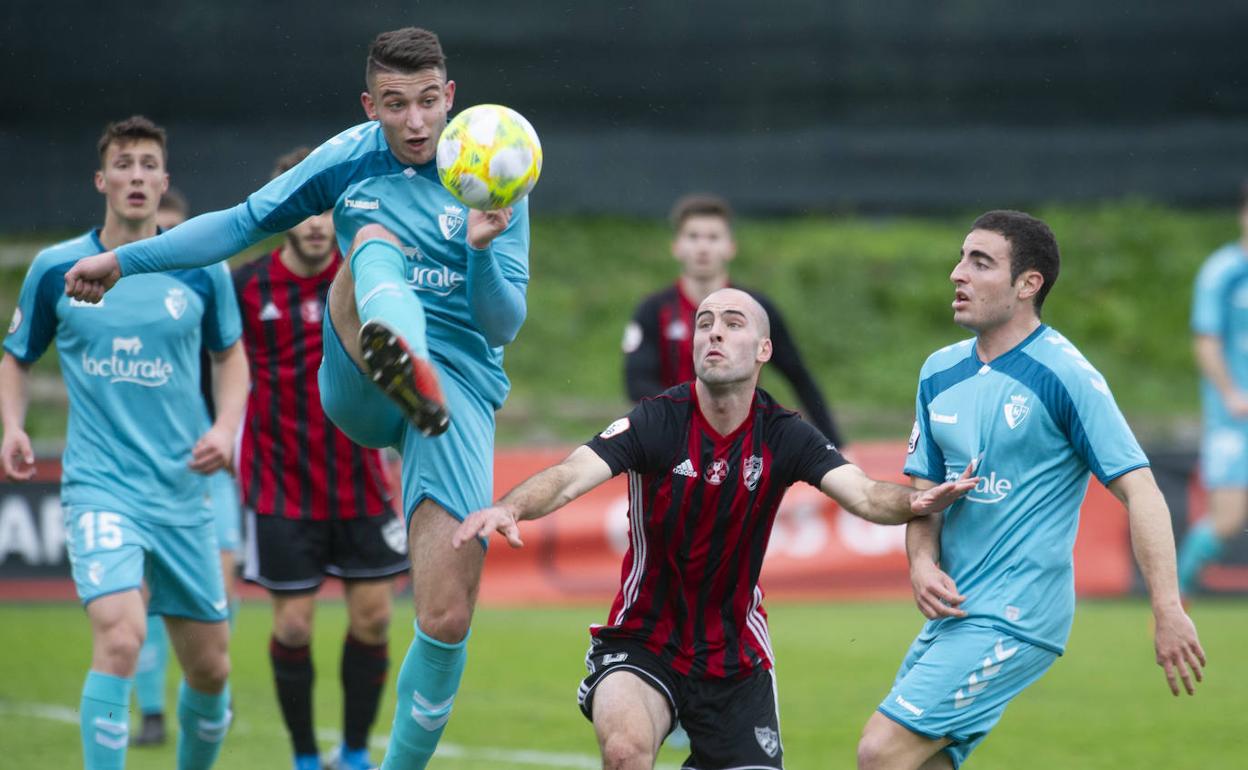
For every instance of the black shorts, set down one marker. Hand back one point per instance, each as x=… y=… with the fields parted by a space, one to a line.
x=732 y=723
x=294 y=555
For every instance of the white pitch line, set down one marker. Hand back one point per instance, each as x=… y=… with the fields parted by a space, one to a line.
x=69 y=716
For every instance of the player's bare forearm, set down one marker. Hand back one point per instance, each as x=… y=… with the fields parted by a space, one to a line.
x=231 y=383
x=1152 y=539
x=1211 y=360
x=14 y=393
x=883 y=502
x=557 y=486
x=923 y=533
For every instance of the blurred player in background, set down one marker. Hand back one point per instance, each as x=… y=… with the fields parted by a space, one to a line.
x=428 y=297
x=317 y=504
x=708 y=464
x=995 y=573
x=658 y=342
x=137 y=451
x=149 y=675
x=1220 y=328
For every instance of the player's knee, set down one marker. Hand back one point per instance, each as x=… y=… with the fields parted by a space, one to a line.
x=370 y=232
x=292 y=631
x=447 y=624
x=621 y=751
x=872 y=750
x=372 y=625
x=209 y=672
x=119 y=645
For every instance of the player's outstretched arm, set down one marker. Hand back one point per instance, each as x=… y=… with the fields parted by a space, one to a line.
x=883 y=502
x=497 y=304
x=18 y=456
x=535 y=497
x=1178 y=649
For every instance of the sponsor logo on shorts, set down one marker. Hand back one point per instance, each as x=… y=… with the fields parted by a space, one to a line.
x=95 y=572
x=768 y=740
x=395 y=535
x=908 y=706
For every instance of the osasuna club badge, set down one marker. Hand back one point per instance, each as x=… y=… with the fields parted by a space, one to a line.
x=768 y=740
x=451 y=221
x=1016 y=411
x=175 y=303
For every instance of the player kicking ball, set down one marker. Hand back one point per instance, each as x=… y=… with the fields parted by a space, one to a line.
x=708 y=464
x=427 y=297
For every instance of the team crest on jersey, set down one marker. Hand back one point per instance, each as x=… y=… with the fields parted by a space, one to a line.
x=615 y=428
x=1016 y=411
x=451 y=221
x=752 y=471
x=16 y=323
x=311 y=310
x=175 y=303
x=716 y=472
x=768 y=740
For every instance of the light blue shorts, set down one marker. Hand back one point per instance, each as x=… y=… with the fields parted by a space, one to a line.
x=957 y=684
x=455 y=469
x=226 y=511
x=111 y=552
x=1224 y=454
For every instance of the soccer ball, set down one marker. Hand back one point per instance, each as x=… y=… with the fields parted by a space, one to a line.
x=489 y=157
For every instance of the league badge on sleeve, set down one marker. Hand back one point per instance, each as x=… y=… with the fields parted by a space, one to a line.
x=914 y=439
x=16 y=323
x=615 y=428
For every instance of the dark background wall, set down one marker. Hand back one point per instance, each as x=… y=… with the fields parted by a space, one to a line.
x=805 y=106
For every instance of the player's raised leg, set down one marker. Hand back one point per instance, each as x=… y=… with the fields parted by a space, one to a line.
x=118 y=625
x=382 y=327
x=444 y=589
x=631 y=719
x=204 y=698
x=886 y=745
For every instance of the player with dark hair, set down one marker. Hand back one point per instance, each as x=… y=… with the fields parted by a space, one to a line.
x=995 y=573
x=139 y=446
x=149 y=675
x=708 y=464
x=658 y=340
x=417 y=319
x=1220 y=331
x=316 y=503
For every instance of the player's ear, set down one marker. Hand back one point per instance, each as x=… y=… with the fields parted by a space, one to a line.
x=1029 y=284
x=764 y=350
x=99 y=181
x=449 y=91
x=370 y=108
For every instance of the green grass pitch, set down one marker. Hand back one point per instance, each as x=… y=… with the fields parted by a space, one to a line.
x=1103 y=706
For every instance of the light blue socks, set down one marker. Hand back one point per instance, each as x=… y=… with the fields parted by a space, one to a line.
x=428 y=681
x=203 y=720
x=382 y=293
x=104 y=717
x=1200 y=547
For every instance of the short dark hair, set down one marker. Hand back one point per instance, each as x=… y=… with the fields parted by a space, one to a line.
x=406 y=50
x=700 y=205
x=132 y=129
x=174 y=200
x=286 y=161
x=1032 y=246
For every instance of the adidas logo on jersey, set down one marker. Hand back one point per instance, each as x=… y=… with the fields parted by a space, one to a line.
x=686 y=469
x=270 y=312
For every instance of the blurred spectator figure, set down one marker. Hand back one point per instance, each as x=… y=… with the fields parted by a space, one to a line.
x=658 y=342
x=1220 y=337
x=173 y=209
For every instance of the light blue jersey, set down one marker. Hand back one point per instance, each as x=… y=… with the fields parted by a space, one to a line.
x=1220 y=309
x=357 y=176
x=1040 y=417
x=131 y=365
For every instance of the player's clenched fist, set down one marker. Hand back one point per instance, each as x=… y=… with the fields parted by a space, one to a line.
x=91 y=276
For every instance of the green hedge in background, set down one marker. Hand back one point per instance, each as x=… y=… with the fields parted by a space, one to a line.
x=867 y=299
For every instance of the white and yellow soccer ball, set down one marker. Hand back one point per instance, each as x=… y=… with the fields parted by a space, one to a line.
x=489 y=157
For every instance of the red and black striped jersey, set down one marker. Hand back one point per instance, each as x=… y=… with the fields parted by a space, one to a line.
x=658 y=353
x=701 y=510
x=293 y=461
